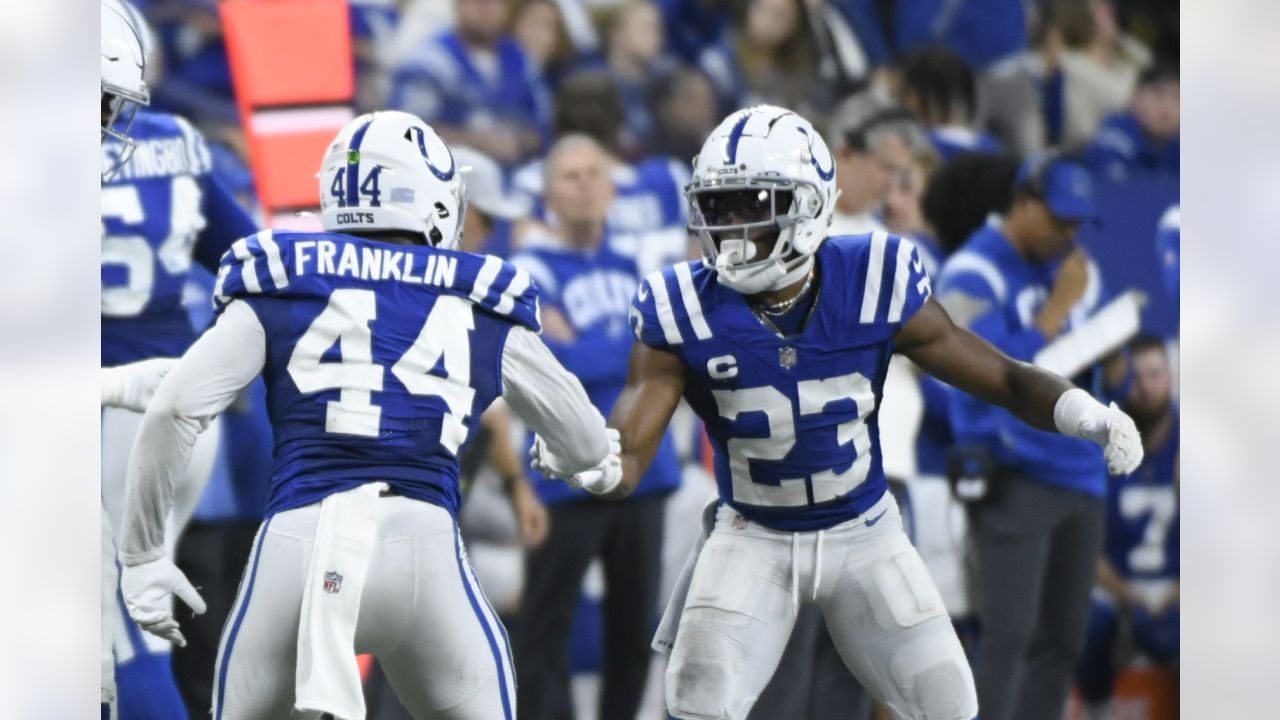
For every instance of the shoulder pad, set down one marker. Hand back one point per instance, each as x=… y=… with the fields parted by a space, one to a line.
x=252 y=266
x=670 y=305
x=889 y=283
x=499 y=288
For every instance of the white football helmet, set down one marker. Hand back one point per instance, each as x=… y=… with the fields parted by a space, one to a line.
x=762 y=168
x=123 y=87
x=388 y=170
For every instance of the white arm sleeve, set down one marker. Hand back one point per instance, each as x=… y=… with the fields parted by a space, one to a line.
x=552 y=402
x=205 y=381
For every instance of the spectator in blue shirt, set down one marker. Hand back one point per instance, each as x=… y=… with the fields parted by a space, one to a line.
x=939 y=87
x=1143 y=140
x=1169 y=250
x=585 y=291
x=476 y=86
x=1020 y=283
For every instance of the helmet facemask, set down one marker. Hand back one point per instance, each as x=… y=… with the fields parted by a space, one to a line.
x=726 y=213
x=119 y=108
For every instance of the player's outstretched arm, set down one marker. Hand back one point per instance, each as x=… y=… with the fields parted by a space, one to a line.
x=570 y=430
x=1036 y=396
x=655 y=382
x=203 y=383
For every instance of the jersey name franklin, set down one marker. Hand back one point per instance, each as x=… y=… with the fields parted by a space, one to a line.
x=326 y=257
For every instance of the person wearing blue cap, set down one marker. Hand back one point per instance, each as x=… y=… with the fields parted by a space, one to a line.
x=1037 y=500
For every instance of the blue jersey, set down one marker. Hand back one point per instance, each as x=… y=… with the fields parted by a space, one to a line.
x=1003 y=292
x=1122 y=150
x=380 y=357
x=791 y=419
x=1142 y=516
x=593 y=290
x=160 y=212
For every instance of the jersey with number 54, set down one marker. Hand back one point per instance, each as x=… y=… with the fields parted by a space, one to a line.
x=162 y=211
x=792 y=419
x=379 y=357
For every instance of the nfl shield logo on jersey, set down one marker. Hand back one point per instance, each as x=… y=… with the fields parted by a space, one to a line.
x=787 y=357
x=332 y=582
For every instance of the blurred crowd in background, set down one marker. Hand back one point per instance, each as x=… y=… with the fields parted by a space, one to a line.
x=575 y=122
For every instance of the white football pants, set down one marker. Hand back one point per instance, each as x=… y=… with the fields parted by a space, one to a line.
x=882 y=609
x=422 y=614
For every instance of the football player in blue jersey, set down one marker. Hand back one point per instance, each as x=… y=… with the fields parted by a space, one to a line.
x=779 y=339
x=162 y=209
x=380 y=345
x=1138 y=574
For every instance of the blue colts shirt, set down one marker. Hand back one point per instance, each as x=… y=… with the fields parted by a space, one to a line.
x=791 y=419
x=380 y=357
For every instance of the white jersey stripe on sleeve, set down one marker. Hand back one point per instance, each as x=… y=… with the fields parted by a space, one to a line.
x=662 y=303
x=275 y=263
x=484 y=279
x=901 y=278
x=871 y=284
x=692 y=305
x=248 y=265
x=514 y=290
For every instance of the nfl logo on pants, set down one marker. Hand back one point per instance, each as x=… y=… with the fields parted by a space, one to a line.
x=332 y=582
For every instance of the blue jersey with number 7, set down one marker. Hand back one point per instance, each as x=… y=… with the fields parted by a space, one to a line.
x=791 y=418
x=380 y=357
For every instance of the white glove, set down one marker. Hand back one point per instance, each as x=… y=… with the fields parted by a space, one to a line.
x=132 y=386
x=598 y=480
x=148 y=591
x=1077 y=414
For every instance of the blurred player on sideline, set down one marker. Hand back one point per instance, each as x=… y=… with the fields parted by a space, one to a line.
x=779 y=339
x=162 y=209
x=381 y=345
x=1137 y=602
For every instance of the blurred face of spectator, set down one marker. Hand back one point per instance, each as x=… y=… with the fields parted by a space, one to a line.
x=1157 y=109
x=771 y=22
x=638 y=33
x=1041 y=236
x=539 y=30
x=482 y=21
x=579 y=190
x=903 y=211
x=1105 y=28
x=690 y=113
x=865 y=177
x=475 y=230
x=1152 y=392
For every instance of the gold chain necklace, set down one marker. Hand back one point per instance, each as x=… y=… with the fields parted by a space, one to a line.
x=783 y=307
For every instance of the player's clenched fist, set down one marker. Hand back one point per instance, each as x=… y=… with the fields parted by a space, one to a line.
x=1079 y=415
x=598 y=480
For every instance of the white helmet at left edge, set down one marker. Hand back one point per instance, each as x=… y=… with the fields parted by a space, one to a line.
x=388 y=170
x=123 y=88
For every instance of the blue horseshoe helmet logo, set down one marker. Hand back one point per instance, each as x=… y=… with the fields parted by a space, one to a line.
x=444 y=175
x=827 y=174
